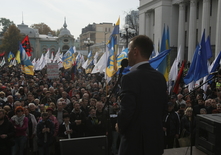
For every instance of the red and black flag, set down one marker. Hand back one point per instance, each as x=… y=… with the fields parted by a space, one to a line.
x=26 y=45
x=2 y=54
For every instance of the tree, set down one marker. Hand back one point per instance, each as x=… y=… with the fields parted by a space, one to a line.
x=11 y=39
x=44 y=29
x=132 y=19
x=5 y=23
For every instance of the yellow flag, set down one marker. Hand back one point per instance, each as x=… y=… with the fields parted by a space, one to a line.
x=17 y=57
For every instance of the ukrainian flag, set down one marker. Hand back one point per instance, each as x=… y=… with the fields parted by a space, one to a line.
x=112 y=62
x=164 y=67
x=10 y=56
x=68 y=58
x=17 y=57
x=26 y=64
x=121 y=56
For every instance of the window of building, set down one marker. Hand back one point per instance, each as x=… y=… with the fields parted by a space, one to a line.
x=197 y=10
x=153 y=18
x=185 y=41
x=186 y=13
x=65 y=48
x=105 y=29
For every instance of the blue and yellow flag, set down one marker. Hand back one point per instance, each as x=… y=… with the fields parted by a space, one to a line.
x=121 y=56
x=164 y=67
x=10 y=56
x=116 y=27
x=17 y=57
x=112 y=61
x=68 y=58
x=26 y=64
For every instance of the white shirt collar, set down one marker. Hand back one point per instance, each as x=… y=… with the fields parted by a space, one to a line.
x=134 y=67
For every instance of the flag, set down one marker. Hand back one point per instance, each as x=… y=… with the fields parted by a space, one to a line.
x=17 y=57
x=112 y=63
x=155 y=62
x=164 y=66
x=208 y=48
x=174 y=69
x=214 y=66
x=2 y=62
x=86 y=63
x=2 y=54
x=95 y=58
x=26 y=65
x=101 y=64
x=26 y=45
x=178 y=79
x=121 y=56
x=57 y=56
x=116 y=27
x=67 y=58
x=10 y=56
x=89 y=67
x=198 y=68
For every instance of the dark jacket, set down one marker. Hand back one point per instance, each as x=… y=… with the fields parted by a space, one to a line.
x=41 y=136
x=143 y=102
x=62 y=130
x=172 y=123
x=79 y=128
x=8 y=129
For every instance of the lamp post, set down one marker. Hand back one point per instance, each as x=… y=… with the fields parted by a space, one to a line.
x=88 y=43
x=127 y=33
x=105 y=33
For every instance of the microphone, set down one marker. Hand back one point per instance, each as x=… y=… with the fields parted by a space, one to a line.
x=124 y=63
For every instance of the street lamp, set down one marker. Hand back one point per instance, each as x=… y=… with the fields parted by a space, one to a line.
x=88 y=43
x=127 y=33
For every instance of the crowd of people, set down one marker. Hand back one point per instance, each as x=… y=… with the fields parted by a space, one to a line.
x=36 y=112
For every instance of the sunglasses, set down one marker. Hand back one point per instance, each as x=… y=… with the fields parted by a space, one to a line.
x=19 y=111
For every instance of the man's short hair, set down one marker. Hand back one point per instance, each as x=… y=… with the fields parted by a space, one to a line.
x=145 y=45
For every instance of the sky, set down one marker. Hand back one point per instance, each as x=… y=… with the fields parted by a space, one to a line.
x=78 y=13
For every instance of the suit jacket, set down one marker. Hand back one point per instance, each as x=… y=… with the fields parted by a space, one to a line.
x=143 y=102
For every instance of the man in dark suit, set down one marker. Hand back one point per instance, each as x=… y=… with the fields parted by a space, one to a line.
x=143 y=103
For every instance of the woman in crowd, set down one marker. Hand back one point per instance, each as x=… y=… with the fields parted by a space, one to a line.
x=20 y=123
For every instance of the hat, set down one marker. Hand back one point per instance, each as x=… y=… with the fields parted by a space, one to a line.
x=49 y=109
x=65 y=115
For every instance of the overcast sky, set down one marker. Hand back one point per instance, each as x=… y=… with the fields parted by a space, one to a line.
x=78 y=13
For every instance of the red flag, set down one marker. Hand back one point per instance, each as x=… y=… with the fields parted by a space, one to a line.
x=26 y=45
x=179 y=76
x=2 y=54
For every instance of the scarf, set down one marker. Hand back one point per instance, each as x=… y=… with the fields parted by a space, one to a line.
x=18 y=120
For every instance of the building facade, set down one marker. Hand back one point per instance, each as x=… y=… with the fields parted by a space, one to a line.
x=40 y=43
x=98 y=33
x=186 y=20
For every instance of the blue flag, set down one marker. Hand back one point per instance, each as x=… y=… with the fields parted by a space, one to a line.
x=155 y=62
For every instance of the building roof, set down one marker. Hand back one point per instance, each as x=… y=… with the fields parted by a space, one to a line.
x=27 y=30
x=64 y=31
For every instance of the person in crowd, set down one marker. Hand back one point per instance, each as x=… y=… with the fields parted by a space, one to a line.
x=78 y=118
x=181 y=111
x=179 y=101
x=30 y=99
x=171 y=126
x=31 y=132
x=201 y=104
x=218 y=109
x=187 y=122
x=7 y=132
x=139 y=110
x=45 y=132
x=20 y=122
x=33 y=111
x=66 y=128
x=93 y=124
x=59 y=112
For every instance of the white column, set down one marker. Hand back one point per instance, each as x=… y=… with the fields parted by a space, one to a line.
x=181 y=31
x=205 y=17
x=142 y=23
x=148 y=24
x=218 y=29
x=192 y=30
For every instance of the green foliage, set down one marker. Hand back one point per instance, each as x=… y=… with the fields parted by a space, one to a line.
x=45 y=29
x=11 y=40
x=5 y=23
